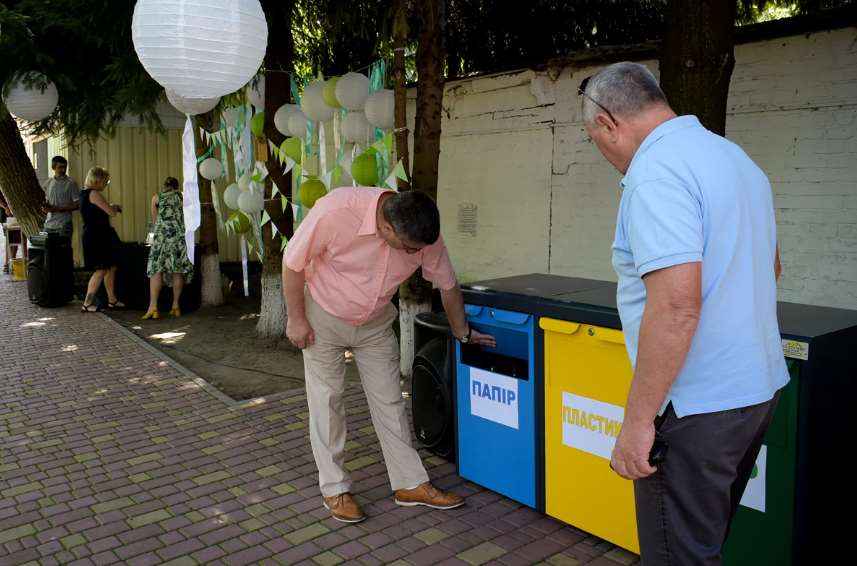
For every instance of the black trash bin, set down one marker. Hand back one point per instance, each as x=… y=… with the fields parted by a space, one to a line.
x=50 y=272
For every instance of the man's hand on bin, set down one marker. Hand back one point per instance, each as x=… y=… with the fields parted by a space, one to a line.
x=630 y=458
x=299 y=332
x=477 y=337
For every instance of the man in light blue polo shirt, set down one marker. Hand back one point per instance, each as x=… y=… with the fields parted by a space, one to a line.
x=696 y=259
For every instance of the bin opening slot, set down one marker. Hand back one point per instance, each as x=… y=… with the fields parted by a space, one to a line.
x=475 y=356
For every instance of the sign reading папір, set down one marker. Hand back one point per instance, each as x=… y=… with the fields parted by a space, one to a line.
x=494 y=397
x=589 y=425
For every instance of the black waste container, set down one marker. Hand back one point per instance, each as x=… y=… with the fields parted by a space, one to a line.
x=50 y=272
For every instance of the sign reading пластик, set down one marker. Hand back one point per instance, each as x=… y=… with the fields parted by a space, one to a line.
x=589 y=425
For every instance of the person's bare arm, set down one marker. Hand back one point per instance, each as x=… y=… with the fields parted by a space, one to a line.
x=778 y=268
x=673 y=304
x=298 y=329
x=154 y=209
x=98 y=200
x=453 y=304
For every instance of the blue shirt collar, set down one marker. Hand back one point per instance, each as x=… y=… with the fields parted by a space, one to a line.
x=670 y=126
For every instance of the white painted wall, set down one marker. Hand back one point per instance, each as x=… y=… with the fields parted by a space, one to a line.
x=514 y=150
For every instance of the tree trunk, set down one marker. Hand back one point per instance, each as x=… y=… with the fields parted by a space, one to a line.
x=400 y=37
x=697 y=59
x=278 y=61
x=18 y=180
x=415 y=294
x=212 y=288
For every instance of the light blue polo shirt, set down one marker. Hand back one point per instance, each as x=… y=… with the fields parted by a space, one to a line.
x=692 y=196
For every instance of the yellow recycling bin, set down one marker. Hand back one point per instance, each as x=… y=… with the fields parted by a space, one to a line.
x=587 y=378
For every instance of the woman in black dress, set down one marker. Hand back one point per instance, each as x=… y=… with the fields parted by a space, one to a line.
x=100 y=241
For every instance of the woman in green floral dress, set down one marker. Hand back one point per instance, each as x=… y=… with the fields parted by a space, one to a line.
x=168 y=254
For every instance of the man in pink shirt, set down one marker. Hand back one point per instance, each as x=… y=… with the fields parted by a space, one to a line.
x=340 y=270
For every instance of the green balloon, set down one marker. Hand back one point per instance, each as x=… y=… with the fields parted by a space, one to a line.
x=311 y=190
x=257 y=124
x=242 y=225
x=292 y=147
x=364 y=170
x=328 y=93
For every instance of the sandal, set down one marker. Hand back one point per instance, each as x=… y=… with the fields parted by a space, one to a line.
x=176 y=312
x=90 y=308
x=116 y=305
x=154 y=315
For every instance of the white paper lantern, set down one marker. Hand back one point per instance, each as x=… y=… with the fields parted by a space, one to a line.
x=192 y=106
x=281 y=118
x=230 y=196
x=211 y=169
x=297 y=125
x=380 y=109
x=256 y=93
x=31 y=97
x=313 y=104
x=355 y=128
x=244 y=182
x=251 y=202
x=352 y=89
x=200 y=48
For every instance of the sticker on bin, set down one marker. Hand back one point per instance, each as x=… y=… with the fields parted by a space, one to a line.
x=754 y=494
x=494 y=397
x=589 y=425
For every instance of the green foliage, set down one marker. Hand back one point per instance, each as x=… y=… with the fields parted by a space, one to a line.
x=82 y=47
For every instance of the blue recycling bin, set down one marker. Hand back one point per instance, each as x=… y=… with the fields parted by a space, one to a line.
x=497 y=394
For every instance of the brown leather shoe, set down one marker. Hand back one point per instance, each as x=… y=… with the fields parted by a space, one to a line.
x=428 y=495
x=344 y=508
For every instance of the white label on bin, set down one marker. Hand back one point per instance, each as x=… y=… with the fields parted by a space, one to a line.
x=494 y=397
x=589 y=425
x=754 y=495
x=795 y=349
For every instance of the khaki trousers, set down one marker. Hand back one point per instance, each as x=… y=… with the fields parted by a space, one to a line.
x=376 y=352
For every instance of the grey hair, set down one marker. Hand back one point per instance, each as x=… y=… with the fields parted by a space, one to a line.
x=624 y=89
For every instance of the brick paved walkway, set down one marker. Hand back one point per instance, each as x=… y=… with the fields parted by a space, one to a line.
x=109 y=453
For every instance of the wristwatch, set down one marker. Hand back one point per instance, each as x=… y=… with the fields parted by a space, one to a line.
x=466 y=338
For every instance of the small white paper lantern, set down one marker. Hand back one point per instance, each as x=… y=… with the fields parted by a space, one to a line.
x=230 y=116
x=355 y=128
x=31 y=97
x=281 y=118
x=200 y=48
x=244 y=182
x=211 y=169
x=250 y=202
x=352 y=89
x=297 y=125
x=192 y=106
x=230 y=196
x=380 y=109
x=313 y=104
x=256 y=93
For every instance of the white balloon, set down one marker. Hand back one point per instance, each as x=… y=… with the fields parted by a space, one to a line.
x=281 y=118
x=230 y=196
x=250 y=202
x=200 y=48
x=355 y=128
x=256 y=94
x=211 y=169
x=297 y=125
x=313 y=105
x=244 y=182
x=352 y=89
x=192 y=106
x=31 y=97
x=381 y=108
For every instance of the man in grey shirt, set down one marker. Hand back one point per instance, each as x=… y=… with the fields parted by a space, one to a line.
x=63 y=196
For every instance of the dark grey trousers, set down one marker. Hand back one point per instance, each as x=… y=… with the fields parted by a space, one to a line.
x=685 y=508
